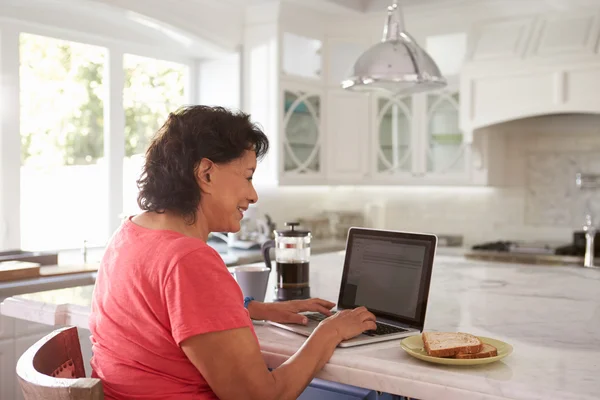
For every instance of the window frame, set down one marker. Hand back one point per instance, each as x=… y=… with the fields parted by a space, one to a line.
x=114 y=117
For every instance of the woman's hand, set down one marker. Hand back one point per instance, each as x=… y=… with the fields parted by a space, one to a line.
x=347 y=324
x=287 y=311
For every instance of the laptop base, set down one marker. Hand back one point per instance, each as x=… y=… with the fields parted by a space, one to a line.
x=307 y=330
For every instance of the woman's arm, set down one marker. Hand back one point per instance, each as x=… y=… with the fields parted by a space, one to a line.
x=233 y=366
x=288 y=311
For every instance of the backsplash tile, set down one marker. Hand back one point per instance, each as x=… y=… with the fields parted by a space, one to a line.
x=552 y=197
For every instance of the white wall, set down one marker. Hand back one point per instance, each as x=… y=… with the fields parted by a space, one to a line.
x=219 y=81
x=539 y=201
x=9 y=140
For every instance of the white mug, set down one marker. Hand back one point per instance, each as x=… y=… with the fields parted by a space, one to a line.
x=252 y=280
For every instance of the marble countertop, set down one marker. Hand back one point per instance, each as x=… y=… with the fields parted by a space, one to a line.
x=550 y=314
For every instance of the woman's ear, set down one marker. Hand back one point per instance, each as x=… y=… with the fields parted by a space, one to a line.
x=205 y=168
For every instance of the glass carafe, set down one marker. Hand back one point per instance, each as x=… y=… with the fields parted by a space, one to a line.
x=292 y=259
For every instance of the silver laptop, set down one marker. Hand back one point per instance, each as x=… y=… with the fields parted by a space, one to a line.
x=388 y=272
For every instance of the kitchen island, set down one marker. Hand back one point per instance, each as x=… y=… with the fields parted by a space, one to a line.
x=549 y=314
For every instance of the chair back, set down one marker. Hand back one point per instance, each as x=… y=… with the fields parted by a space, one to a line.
x=53 y=369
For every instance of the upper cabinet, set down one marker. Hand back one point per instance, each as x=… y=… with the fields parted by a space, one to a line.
x=301 y=110
x=416 y=139
x=445 y=151
x=347 y=137
x=284 y=91
x=323 y=135
x=392 y=134
x=301 y=113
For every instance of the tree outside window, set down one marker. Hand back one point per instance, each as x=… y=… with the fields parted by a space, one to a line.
x=153 y=89
x=62 y=143
x=63 y=171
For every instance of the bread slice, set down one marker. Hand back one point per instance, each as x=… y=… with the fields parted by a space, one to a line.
x=487 y=350
x=448 y=344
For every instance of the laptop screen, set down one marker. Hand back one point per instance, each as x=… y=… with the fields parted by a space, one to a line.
x=389 y=273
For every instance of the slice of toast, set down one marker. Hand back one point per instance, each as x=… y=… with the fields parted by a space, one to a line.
x=449 y=344
x=487 y=350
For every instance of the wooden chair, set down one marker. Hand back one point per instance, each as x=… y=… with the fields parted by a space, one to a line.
x=53 y=369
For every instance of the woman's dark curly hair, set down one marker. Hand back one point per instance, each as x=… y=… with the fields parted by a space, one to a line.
x=168 y=179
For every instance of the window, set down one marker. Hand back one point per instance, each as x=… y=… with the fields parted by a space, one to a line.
x=153 y=89
x=63 y=195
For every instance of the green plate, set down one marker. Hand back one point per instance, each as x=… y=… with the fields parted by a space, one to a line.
x=413 y=345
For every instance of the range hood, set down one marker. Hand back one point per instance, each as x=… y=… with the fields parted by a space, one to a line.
x=531 y=66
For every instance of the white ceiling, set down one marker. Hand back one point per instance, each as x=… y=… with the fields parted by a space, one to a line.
x=380 y=6
x=211 y=27
x=355 y=6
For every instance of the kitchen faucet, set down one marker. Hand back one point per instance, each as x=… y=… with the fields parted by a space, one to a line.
x=588 y=182
x=590 y=234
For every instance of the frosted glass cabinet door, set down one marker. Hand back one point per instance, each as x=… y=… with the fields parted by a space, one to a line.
x=394 y=125
x=302 y=132
x=445 y=152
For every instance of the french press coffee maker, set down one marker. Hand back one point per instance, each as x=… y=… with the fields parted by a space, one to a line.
x=292 y=254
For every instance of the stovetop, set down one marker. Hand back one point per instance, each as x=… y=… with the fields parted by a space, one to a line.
x=506 y=246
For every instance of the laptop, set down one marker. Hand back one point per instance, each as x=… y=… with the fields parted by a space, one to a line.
x=388 y=272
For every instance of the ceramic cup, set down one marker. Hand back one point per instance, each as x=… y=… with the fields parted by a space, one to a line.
x=252 y=280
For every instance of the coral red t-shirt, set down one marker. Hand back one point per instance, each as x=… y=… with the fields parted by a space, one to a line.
x=154 y=289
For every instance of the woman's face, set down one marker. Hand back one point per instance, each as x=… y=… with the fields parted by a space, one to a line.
x=227 y=193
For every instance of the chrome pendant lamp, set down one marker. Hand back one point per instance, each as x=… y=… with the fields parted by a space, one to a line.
x=397 y=64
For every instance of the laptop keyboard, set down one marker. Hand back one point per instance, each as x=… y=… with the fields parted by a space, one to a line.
x=382 y=329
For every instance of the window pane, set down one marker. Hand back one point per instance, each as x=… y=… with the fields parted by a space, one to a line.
x=153 y=89
x=301 y=132
x=63 y=195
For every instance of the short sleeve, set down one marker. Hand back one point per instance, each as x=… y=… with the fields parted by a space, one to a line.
x=202 y=296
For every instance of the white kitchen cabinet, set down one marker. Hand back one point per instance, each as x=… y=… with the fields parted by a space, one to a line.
x=394 y=137
x=7 y=367
x=347 y=137
x=417 y=139
x=301 y=136
x=323 y=135
x=28 y=328
x=391 y=139
x=283 y=90
x=445 y=147
x=7 y=327
x=446 y=154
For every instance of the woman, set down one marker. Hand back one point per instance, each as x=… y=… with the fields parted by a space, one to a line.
x=168 y=320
